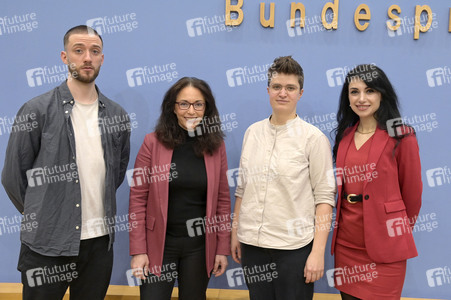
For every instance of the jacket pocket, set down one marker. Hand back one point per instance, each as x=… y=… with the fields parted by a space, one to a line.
x=394 y=206
x=150 y=223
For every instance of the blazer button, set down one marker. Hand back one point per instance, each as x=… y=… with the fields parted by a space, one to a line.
x=367 y=197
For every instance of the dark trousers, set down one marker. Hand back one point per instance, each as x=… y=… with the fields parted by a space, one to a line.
x=273 y=274
x=48 y=277
x=184 y=259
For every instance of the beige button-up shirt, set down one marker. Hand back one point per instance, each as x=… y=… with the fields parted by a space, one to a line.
x=283 y=175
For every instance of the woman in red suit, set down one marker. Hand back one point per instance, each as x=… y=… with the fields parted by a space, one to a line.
x=179 y=197
x=379 y=188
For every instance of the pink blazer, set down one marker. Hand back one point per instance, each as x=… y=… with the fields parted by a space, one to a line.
x=392 y=201
x=149 y=203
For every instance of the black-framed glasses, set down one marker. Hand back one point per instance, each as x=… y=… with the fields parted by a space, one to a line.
x=185 y=105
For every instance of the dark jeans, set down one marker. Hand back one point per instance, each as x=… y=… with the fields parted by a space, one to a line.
x=184 y=259
x=273 y=274
x=48 y=277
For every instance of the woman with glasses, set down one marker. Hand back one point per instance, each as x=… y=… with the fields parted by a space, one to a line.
x=379 y=188
x=284 y=199
x=179 y=197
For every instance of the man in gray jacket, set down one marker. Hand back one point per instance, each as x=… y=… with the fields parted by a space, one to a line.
x=63 y=175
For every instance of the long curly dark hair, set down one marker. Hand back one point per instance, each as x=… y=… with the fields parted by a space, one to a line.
x=169 y=132
x=376 y=79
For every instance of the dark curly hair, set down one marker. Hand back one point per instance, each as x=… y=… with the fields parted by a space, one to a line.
x=169 y=132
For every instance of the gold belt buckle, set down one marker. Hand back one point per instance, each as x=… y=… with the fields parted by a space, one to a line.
x=349 y=198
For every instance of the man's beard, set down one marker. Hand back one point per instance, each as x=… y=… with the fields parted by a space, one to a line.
x=85 y=78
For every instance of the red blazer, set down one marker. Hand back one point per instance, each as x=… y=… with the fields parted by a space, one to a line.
x=391 y=200
x=149 y=203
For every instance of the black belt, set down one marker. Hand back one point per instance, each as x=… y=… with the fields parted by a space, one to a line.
x=353 y=198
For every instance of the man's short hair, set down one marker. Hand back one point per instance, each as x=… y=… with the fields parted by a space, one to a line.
x=80 y=29
x=286 y=65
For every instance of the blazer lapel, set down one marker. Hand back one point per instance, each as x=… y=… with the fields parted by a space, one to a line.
x=341 y=156
x=210 y=169
x=377 y=147
x=164 y=159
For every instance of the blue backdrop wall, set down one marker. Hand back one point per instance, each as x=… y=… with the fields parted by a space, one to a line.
x=148 y=45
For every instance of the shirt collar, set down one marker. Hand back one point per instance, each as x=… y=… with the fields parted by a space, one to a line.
x=67 y=98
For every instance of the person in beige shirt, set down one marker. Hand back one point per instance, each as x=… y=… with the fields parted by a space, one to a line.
x=284 y=196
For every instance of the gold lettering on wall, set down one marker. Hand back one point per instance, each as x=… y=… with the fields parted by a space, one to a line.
x=418 y=26
x=334 y=8
x=267 y=22
x=294 y=8
x=358 y=15
x=394 y=17
x=234 y=8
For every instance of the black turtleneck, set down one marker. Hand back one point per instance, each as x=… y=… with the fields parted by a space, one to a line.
x=187 y=191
